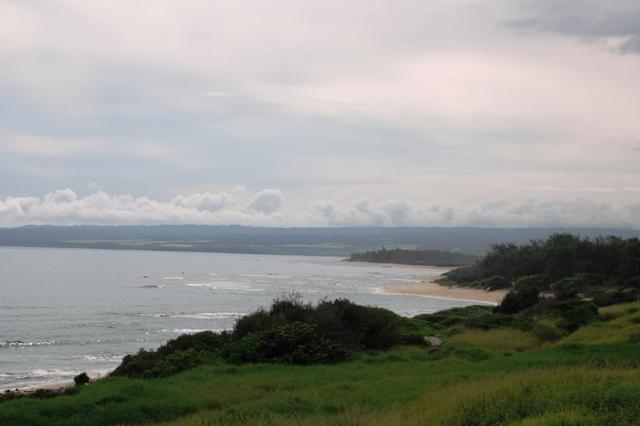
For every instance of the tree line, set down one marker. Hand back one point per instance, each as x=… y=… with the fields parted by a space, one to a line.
x=414 y=257
x=605 y=270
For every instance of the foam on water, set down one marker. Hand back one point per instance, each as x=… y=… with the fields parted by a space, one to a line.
x=226 y=286
x=210 y=315
x=188 y=330
x=196 y=315
x=104 y=358
x=19 y=343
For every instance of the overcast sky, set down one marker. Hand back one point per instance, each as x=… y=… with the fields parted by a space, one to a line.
x=296 y=113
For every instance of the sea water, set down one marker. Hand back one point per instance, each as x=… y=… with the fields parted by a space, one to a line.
x=65 y=311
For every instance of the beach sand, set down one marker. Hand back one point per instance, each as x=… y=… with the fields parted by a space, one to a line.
x=426 y=286
x=57 y=387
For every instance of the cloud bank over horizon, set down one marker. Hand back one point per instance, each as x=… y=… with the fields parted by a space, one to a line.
x=268 y=208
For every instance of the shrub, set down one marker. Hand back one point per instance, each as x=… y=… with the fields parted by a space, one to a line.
x=203 y=341
x=575 y=314
x=290 y=331
x=518 y=299
x=455 y=316
x=547 y=332
x=180 y=354
x=566 y=288
x=569 y=287
x=284 y=310
x=496 y=282
x=295 y=343
x=615 y=297
x=633 y=282
x=81 y=379
x=137 y=364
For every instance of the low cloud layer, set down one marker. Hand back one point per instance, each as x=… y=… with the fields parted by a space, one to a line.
x=268 y=208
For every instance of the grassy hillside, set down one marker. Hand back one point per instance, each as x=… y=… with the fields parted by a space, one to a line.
x=486 y=371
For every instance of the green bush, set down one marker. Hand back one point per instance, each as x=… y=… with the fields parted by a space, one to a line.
x=290 y=332
x=496 y=282
x=180 y=354
x=455 y=316
x=616 y=296
x=546 y=332
x=295 y=343
x=341 y=321
x=576 y=313
x=566 y=288
x=203 y=341
x=518 y=300
x=81 y=379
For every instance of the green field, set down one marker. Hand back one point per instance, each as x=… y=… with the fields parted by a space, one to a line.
x=506 y=374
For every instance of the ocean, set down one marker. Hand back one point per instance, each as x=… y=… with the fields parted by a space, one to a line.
x=65 y=311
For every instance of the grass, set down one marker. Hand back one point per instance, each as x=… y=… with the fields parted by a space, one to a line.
x=479 y=377
x=621 y=323
x=499 y=339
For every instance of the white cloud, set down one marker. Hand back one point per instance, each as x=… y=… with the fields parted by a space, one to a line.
x=266 y=208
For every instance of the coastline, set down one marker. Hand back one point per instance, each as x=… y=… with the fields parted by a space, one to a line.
x=395 y=265
x=54 y=387
x=426 y=286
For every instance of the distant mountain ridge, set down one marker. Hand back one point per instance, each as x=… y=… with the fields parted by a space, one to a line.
x=302 y=241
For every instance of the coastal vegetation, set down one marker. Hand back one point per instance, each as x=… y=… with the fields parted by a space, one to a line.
x=563 y=348
x=486 y=370
x=289 y=332
x=603 y=270
x=414 y=257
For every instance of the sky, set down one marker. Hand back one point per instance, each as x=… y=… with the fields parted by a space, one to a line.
x=509 y=113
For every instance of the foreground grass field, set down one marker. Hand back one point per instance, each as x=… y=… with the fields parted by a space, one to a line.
x=478 y=377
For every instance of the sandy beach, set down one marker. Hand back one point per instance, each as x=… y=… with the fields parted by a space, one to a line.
x=57 y=387
x=426 y=286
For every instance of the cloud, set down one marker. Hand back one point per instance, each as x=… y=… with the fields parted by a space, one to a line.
x=590 y=20
x=266 y=208
x=412 y=100
x=267 y=201
x=205 y=202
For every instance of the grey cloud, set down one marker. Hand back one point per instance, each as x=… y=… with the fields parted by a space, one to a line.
x=267 y=201
x=592 y=19
x=525 y=213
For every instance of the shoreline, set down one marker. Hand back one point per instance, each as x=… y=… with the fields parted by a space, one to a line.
x=427 y=287
x=55 y=387
x=395 y=265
